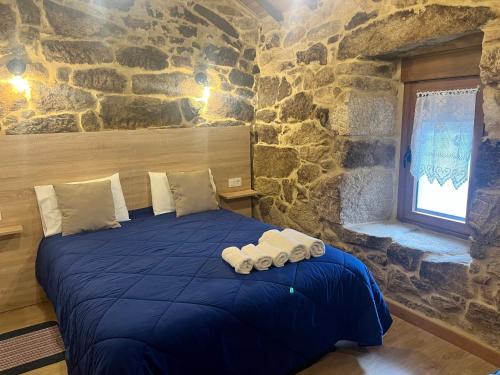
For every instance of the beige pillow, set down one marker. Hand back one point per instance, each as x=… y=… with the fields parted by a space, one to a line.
x=193 y=192
x=86 y=207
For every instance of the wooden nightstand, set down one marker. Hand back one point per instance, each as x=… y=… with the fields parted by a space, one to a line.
x=9 y=230
x=239 y=201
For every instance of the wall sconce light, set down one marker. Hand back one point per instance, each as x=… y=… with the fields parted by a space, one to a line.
x=201 y=78
x=17 y=67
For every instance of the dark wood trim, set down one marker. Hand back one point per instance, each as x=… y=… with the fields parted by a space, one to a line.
x=439 y=329
x=448 y=64
x=269 y=8
x=406 y=181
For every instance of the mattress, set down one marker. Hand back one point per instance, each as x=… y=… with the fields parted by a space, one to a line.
x=155 y=297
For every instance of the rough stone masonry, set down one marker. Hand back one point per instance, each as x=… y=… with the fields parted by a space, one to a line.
x=104 y=65
x=327 y=137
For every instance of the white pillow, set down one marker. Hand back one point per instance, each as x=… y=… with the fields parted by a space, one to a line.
x=161 y=194
x=51 y=215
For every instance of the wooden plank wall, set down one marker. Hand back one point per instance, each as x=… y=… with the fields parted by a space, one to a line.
x=29 y=160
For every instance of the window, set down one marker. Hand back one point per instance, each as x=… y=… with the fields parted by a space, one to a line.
x=442 y=124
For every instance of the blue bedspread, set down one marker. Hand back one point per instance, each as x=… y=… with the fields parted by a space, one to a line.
x=156 y=297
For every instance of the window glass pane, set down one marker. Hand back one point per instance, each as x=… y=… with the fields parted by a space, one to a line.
x=442 y=201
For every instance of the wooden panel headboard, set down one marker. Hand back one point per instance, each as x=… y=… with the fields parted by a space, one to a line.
x=26 y=161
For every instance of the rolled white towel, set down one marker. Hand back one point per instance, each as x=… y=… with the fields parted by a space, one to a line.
x=261 y=261
x=294 y=249
x=280 y=257
x=316 y=247
x=240 y=262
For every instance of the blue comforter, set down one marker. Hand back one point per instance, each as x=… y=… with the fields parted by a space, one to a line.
x=156 y=297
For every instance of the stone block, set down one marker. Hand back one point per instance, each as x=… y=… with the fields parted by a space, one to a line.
x=148 y=58
x=250 y=54
x=239 y=78
x=399 y=282
x=224 y=56
x=288 y=189
x=63 y=74
x=266 y=115
x=61 y=97
x=365 y=240
x=483 y=317
x=216 y=20
x=183 y=13
x=366 y=68
x=273 y=161
x=397 y=32
x=303 y=215
x=484 y=214
x=294 y=36
x=491 y=109
x=314 y=154
x=315 y=53
x=69 y=22
x=490 y=65
x=29 y=12
x=123 y=5
x=187 y=31
x=325 y=197
x=364 y=114
x=308 y=132
x=324 y=77
x=405 y=257
x=267 y=91
x=487 y=171
x=366 y=195
x=61 y=123
x=224 y=105
x=297 y=108
x=267 y=133
x=8 y=22
x=267 y=186
x=136 y=23
x=170 y=84
x=446 y=276
x=90 y=121
x=76 y=52
x=453 y=304
x=360 y=18
x=307 y=173
x=129 y=112
x=354 y=154
x=365 y=83
x=190 y=108
x=324 y=30
x=101 y=79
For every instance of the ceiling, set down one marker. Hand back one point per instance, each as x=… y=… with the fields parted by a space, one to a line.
x=274 y=8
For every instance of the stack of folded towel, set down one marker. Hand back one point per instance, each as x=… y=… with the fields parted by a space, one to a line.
x=274 y=248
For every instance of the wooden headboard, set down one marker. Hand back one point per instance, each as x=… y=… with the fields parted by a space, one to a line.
x=26 y=161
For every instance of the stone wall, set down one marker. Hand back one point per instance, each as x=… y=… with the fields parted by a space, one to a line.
x=327 y=138
x=126 y=64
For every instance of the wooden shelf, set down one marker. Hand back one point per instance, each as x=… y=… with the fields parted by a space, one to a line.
x=10 y=229
x=230 y=195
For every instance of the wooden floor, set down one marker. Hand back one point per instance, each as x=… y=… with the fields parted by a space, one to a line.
x=407 y=350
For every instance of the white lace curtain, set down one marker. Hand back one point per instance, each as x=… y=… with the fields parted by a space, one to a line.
x=443 y=129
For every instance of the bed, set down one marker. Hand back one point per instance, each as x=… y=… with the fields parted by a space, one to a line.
x=154 y=296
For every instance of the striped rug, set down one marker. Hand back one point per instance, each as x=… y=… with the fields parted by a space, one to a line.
x=29 y=348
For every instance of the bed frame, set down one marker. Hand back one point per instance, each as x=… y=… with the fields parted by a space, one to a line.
x=29 y=160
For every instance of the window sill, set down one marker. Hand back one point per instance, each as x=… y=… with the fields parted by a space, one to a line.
x=437 y=247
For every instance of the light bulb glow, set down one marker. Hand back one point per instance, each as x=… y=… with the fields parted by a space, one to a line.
x=206 y=95
x=21 y=85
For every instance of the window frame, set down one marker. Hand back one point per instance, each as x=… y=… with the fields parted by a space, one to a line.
x=406 y=194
